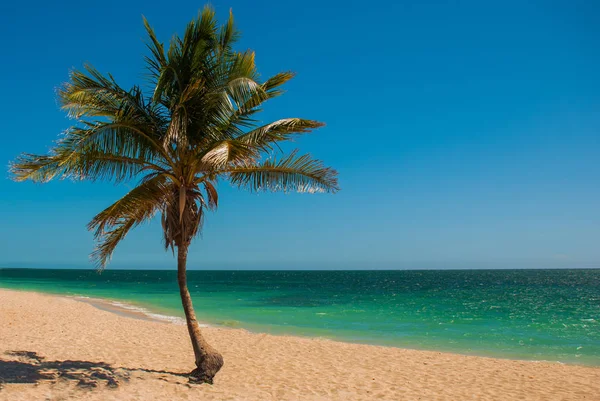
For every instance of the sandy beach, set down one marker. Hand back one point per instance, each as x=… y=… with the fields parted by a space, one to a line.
x=59 y=348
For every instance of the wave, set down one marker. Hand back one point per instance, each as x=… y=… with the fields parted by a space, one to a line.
x=130 y=310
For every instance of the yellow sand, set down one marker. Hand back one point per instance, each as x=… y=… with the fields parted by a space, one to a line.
x=58 y=348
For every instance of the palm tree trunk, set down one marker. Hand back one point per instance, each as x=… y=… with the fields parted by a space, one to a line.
x=208 y=360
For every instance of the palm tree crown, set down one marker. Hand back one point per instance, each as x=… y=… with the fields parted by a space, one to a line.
x=196 y=127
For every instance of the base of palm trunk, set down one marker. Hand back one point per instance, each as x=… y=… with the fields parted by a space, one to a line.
x=207 y=369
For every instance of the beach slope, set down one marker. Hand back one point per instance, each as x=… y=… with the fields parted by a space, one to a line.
x=58 y=348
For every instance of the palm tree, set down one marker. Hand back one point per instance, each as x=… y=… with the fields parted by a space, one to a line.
x=197 y=126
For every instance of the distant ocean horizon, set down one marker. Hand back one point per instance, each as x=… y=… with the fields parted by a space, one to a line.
x=305 y=266
x=536 y=314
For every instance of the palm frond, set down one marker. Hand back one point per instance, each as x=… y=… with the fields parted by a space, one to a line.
x=113 y=223
x=92 y=94
x=234 y=118
x=212 y=196
x=141 y=203
x=225 y=152
x=271 y=85
x=109 y=241
x=158 y=60
x=99 y=151
x=280 y=130
x=291 y=173
x=228 y=34
x=89 y=165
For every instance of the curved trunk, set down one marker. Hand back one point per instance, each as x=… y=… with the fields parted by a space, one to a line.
x=208 y=360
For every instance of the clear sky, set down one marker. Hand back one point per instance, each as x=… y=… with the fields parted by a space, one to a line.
x=466 y=134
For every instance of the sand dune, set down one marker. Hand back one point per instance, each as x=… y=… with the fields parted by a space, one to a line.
x=57 y=348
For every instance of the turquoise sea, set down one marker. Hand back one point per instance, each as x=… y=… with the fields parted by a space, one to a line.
x=525 y=314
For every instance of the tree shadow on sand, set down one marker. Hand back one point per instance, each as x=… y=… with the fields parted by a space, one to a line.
x=29 y=367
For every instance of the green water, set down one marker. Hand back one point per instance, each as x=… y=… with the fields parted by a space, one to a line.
x=526 y=314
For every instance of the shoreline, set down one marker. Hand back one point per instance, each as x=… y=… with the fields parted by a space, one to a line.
x=129 y=309
x=73 y=350
x=137 y=312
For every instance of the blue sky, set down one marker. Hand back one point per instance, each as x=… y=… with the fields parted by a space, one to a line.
x=466 y=134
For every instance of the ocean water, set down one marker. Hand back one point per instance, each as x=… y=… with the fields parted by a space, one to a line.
x=524 y=314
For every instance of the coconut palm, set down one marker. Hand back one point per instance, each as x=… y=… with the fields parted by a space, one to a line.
x=195 y=126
